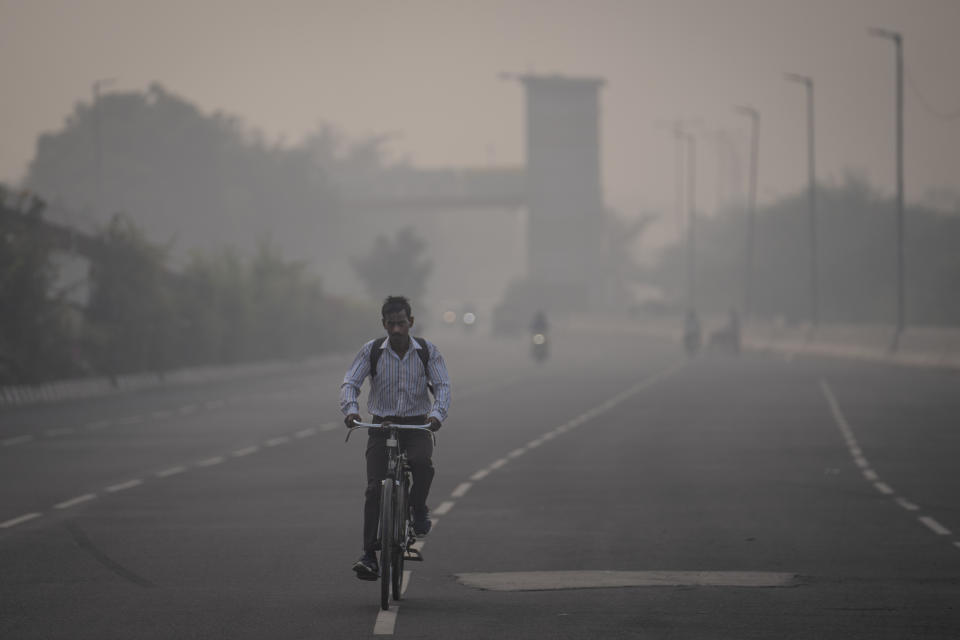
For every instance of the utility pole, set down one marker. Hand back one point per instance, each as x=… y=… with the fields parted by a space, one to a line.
x=898 y=44
x=807 y=81
x=98 y=145
x=754 y=116
x=691 y=219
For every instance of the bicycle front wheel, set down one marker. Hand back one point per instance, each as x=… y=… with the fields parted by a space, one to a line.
x=387 y=527
x=401 y=518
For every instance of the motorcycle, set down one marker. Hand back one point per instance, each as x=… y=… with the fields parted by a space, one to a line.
x=539 y=347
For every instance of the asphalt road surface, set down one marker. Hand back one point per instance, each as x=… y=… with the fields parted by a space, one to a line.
x=618 y=490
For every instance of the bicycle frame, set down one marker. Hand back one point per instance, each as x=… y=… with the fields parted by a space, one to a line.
x=395 y=527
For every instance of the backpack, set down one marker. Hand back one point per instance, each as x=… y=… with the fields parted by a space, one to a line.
x=423 y=352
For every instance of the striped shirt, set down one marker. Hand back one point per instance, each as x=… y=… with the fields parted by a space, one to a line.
x=400 y=386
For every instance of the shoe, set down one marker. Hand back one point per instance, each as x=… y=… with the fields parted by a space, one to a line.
x=421 y=524
x=366 y=567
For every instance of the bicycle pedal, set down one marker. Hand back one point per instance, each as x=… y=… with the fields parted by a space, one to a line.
x=413 y=555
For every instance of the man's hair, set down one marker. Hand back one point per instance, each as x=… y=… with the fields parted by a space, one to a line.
x=394 y=304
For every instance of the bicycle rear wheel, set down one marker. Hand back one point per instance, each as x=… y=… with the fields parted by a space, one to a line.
x=387 y=527
x=401 y=518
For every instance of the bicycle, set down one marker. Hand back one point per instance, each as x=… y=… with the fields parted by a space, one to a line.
x=395 y=528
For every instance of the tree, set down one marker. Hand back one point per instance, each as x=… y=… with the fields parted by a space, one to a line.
x=395 y=267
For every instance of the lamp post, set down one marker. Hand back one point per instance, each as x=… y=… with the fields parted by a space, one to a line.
x=807 y=82
x=898 y=44
x=691 y=219
x=97 y=84
x=754 y=116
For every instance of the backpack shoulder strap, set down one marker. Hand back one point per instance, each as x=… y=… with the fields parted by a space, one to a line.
x=424 y=353
x=375 y=353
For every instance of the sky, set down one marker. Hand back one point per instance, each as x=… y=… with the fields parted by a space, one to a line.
x=427 y=73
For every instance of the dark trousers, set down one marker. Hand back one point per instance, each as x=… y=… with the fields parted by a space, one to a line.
x=419 y=448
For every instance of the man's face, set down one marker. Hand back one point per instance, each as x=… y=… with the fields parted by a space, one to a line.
x=398 y=326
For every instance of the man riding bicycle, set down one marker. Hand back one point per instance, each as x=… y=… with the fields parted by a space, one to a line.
x=400 y=375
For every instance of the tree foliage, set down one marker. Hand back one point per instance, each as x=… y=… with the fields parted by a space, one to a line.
x=857 y=265
x=395 y=266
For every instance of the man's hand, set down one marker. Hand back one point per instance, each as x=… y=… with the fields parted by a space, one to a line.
x=350 y=419
x=434 y=424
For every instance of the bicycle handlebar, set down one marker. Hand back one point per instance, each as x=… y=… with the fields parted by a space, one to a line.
x=390 y=425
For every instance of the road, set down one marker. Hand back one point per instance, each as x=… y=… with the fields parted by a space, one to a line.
x=618 y=490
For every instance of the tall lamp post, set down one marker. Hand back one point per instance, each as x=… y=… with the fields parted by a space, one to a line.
x=691 y=219
x=807 y=81
x=898 y=44
x=98 y=145
x=754 y=116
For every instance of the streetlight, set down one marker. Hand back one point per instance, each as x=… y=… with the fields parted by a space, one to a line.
x=807 y=81
x=754 y=116
x=691 y=218
x=97 y=84
x=898 y=43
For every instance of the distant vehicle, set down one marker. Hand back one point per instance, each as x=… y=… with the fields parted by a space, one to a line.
x=539 y=347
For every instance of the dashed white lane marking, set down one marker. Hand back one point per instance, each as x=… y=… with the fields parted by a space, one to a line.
x=883 y=488
x=273 y=442
x=161 y=415
x=306 y=433
x=906 y=504
x=188 y=409
x=27 y=517
x=517 y=452
x=934 y=526
x=99 y=424
x=130 y=420
x=172 y=471
x=860 y=460
x=246 y=451
x=9 y=442
x=129 y=484
x=66 y=504
x=443 y=508
x=209 y=462
x=496 y=464
x=480 y=475
x=461 y=490
x=213 y=404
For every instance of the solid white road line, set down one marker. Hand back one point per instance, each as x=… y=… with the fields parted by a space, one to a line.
x=19 y=520
x=461 y=490
x=443 y=508
x=129 y=484
x=934 y=526
x=66 y=504
x=172 y=471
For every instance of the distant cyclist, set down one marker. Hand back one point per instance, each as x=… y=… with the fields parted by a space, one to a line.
x=400 y=373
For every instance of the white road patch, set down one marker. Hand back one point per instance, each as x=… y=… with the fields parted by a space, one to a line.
x=172 y=471
x=461 y=490
x=329 y=426
x=934 y=526
x=129 y=484
x=533 y=444
x=246 y=451
x=480 y=475
x=306 y=433
x=66 y=504
x=861 y=462
x=554 y=580
x=386 y=621
x=443 y=508
x=9 y=442
x=517 y=452
x=496 y=464
x=906 y=504
x=209 y=462
x=957 y=545
x=883 y=488
x=405 y=581
x=870 y=475
x=19 y=520
x=273 y=442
